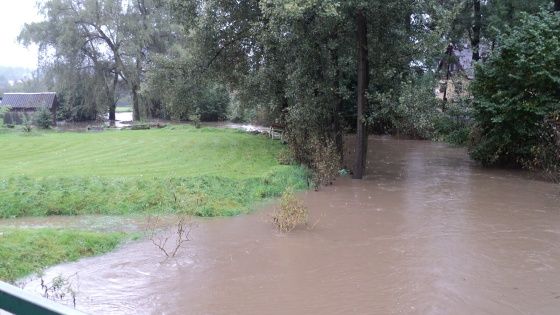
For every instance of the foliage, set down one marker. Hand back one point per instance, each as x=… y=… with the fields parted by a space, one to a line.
x=414 y=114
x=27 y=126
x=516 y=91
x=326 y=161
x=3 y=111
x=238 y=112
x=493 y=19
x=184 y=91
x=195 y=120
x=418 y=114
x=42 y=118
x=291 y=213
x=454 y=125
x=292 y=63
x=546 y=155
x=213 y=103
x=25 y=251
x=285 y=157
x=204 y=172
x=88 y=47
x=504 y=15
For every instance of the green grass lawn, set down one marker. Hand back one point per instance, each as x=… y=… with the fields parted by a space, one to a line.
x=140 y=153
x=123 y=109
x=206 y=172
x=24 y=251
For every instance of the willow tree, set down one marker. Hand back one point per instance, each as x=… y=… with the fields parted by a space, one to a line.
x=113 y=39
x=72 y=58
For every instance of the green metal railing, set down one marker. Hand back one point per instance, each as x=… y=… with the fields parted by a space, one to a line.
x=16 y=301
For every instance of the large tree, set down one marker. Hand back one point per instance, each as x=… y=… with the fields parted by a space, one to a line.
x=298 y=61
x=112 y=38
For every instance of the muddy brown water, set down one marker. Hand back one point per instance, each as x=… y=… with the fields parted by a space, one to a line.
x=428 y=232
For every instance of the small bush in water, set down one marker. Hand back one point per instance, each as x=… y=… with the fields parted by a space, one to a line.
x=290 y=214
x=326 y=162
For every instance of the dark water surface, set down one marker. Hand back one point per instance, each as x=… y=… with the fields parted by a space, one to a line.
x=428 y=232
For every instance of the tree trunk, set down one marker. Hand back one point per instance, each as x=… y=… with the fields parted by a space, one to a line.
x=113 y=105
x=363 y=82
x=477 y=26
x=556 y=5
x=135 y=102
x=112 y=110
x=449 y=57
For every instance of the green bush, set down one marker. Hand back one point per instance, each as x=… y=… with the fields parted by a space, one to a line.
x=183 y=95
x=43 y=118
x=27 y=127
x=418 y=111
x=516 y=92
x=286 y=157
x=195 y=120
x=3 y=111
x=213 y=103
x=454 y=125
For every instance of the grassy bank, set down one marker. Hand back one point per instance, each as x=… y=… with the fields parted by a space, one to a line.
x=123 y=109
x=207 y=172
x=178 y=169
x=23 y=252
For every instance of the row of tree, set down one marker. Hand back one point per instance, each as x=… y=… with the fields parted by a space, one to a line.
x=313 y=66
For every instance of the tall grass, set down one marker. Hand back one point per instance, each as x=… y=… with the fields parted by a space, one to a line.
x=26 y=251
x=205 y=172
x=202 y=196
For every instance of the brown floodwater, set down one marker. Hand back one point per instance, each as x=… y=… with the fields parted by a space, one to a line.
x=428 y=232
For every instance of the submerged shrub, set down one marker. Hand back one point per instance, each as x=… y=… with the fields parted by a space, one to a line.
x=325 y=161
x=319 y=154
x=546 y=154
x=290 y=214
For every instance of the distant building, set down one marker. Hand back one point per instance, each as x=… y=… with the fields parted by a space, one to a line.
x=456 y=70
x=24 y=105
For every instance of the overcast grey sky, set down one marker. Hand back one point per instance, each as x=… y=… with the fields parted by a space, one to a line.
x=15 y=13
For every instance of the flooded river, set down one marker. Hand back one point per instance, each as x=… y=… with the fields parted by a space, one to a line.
x=428 y=232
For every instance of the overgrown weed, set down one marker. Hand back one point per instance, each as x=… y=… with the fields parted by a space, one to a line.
x=291 y=213
x=325 y=162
